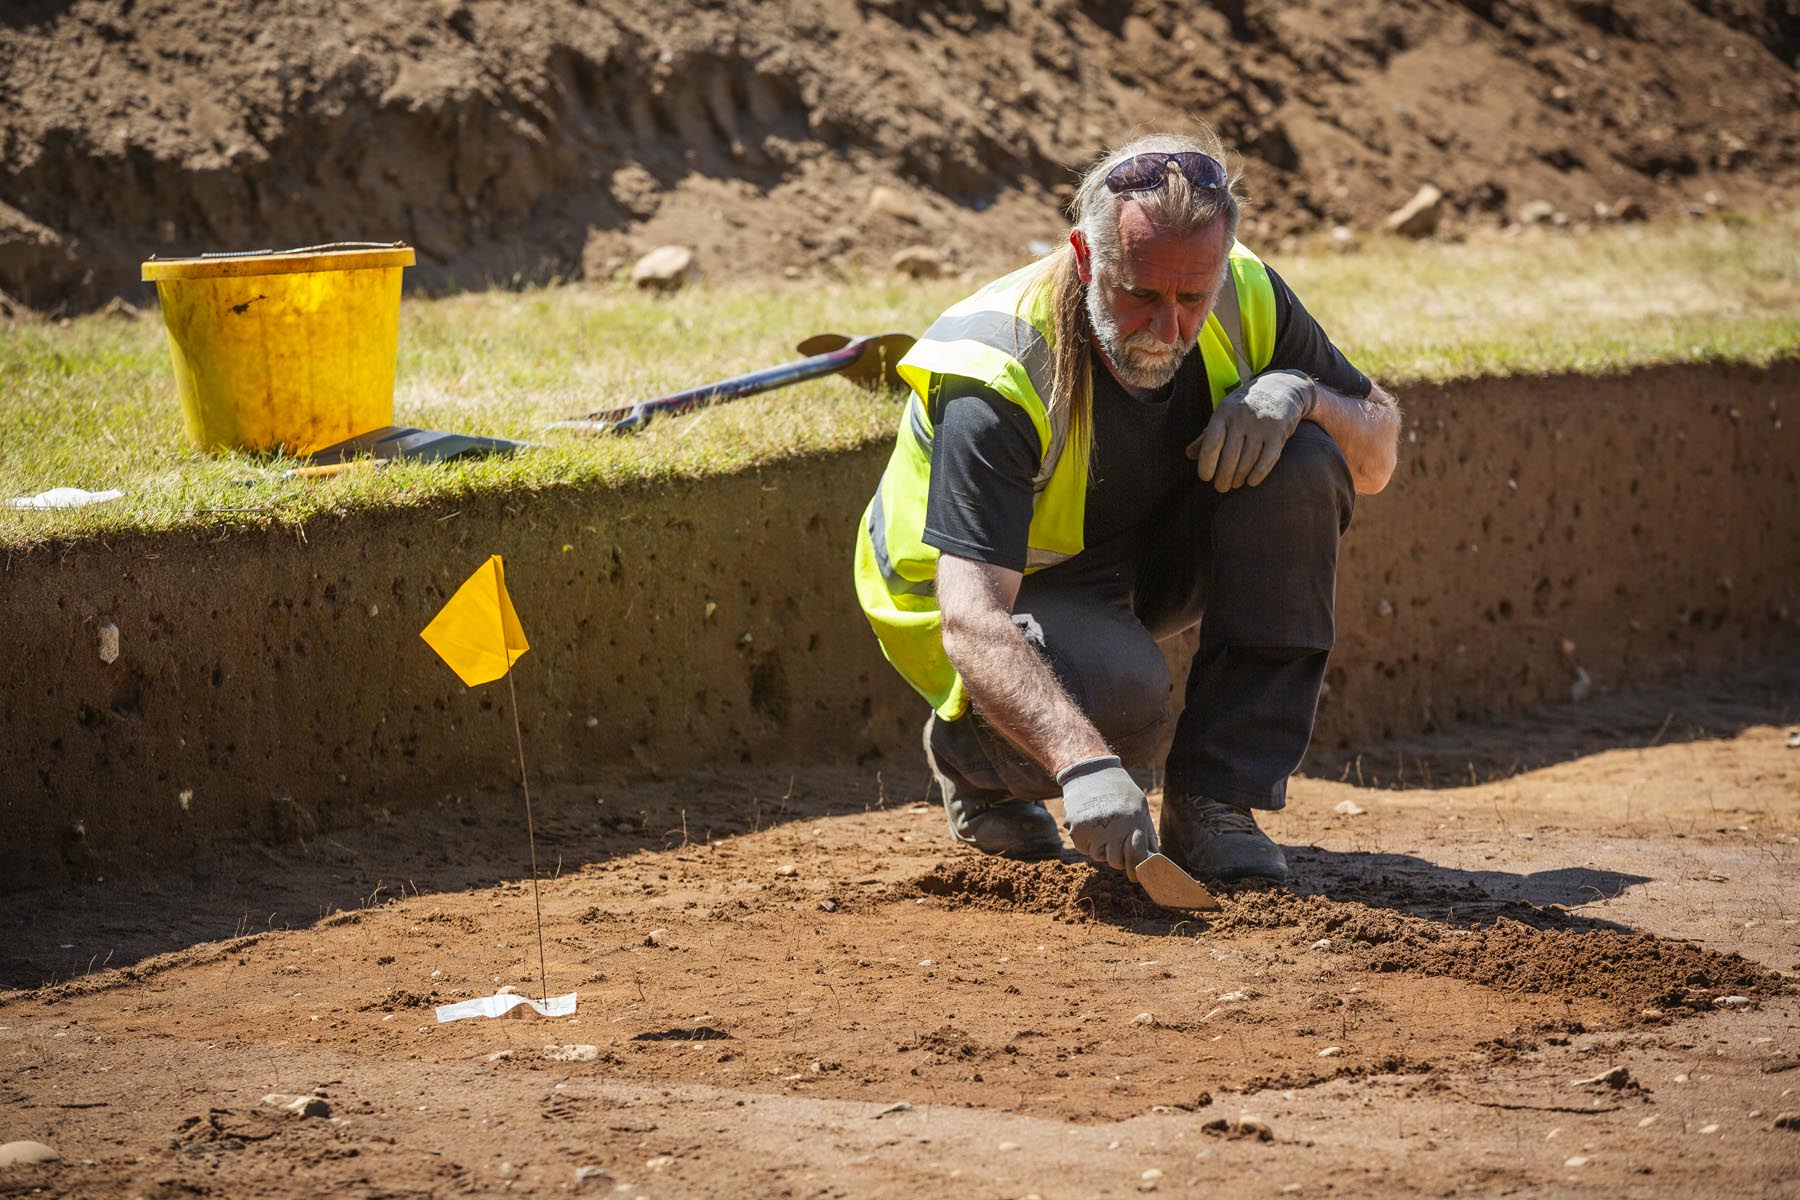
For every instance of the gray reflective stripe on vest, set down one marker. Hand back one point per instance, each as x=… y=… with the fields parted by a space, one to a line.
x=915 y=419
x=1231 y=320
x=897 y=585
x=1019 y=339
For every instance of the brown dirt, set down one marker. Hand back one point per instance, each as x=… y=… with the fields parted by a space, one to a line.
x=769 y=964
x=556 y=138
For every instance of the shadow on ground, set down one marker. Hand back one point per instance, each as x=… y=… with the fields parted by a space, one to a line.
x=1688 y=710
x=1466 y=899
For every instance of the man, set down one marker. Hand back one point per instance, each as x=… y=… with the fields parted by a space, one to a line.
x=1144 y=431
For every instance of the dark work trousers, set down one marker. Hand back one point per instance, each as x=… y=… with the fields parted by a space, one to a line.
x=1256 y=568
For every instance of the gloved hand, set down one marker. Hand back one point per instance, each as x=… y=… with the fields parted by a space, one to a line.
x=1248 y=430
x=1106 y=814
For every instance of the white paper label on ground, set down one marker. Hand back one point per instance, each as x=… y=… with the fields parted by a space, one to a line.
x=507 y=1006
x=63 y=497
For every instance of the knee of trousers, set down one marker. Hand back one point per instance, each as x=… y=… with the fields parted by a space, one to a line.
x=1311 y=472
x=1274 y=550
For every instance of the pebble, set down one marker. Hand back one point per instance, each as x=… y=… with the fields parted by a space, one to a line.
x=1144 y=1018
x=598 y=1176
x=1731 y=1001
x=1152 y=1173
x=656 y=937
x=574 y=1053
x=300 y=1106
x=1331 y=1052
x=787 y=870
x=14 y=1154
x=1004 y=1147
x=1647 y=1122
x=1706 y=1129
x=1322 y=944
x=1349 y=808
x=666 y=268
x=1576 y=1161
x=658 y=1163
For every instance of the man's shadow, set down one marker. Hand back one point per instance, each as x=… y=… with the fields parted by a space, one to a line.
x=1458 y=898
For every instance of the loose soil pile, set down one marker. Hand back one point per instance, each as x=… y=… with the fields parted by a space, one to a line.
x=556 y=138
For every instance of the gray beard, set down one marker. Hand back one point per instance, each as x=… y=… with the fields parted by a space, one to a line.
x=1129 y=361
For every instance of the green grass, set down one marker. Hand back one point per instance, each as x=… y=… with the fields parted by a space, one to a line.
x=91 y=402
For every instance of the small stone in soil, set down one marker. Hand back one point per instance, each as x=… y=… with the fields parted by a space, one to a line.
x=24 y=1153
x=592 y=1176
x=300 y=1106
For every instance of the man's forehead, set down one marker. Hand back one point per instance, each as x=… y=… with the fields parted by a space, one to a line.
x=1194 y=262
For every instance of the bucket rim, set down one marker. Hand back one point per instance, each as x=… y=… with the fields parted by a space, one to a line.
x=289 y=262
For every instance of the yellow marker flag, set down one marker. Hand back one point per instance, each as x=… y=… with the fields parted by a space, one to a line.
x=478 y=632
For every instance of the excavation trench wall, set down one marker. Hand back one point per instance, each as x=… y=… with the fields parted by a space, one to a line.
x=271 y=684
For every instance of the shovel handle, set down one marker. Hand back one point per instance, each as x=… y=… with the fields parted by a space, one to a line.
x=636 y=416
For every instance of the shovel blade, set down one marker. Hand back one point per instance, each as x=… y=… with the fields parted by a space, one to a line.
x=1170 y=886
x=874 y=367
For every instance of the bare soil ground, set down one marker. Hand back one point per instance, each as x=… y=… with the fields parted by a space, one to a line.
x=558 y=138
x=792 y=985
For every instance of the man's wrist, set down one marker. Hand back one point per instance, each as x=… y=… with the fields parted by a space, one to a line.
x=1087 y=766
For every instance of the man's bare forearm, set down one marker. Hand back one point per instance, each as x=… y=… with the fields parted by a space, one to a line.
x=1008 y=682
x=1367 y=431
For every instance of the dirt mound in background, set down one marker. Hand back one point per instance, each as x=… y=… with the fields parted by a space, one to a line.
x=524 y=141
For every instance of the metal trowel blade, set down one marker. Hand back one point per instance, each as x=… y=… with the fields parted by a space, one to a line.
x=1172 y=887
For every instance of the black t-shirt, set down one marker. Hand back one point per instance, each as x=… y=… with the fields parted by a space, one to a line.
x=985 y=453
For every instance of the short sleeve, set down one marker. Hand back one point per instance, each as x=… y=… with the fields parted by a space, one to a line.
x=984 y=456
x=1301 y=345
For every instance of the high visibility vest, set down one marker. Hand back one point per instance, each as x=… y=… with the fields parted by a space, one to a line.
x=1000 y=337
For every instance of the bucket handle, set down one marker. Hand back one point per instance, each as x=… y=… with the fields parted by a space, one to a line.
x=303 y=249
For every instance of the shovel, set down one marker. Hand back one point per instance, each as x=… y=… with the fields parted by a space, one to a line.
x=865 y=361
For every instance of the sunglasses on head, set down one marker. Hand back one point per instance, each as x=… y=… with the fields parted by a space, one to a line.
x=1147 y=172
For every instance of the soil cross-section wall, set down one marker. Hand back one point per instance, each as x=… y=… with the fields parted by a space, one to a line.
x=272 y=683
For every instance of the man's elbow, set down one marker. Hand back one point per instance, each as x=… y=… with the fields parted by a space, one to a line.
x=1383 y=452
x=1372 y=474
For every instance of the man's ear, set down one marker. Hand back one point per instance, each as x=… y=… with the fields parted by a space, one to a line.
x=1084 y=263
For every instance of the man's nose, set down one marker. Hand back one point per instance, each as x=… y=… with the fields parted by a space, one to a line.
x=1165 y=324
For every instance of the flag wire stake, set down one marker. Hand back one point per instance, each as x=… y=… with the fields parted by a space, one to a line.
x=531 y=836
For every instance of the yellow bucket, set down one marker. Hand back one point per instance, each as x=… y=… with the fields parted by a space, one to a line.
x=291 y=351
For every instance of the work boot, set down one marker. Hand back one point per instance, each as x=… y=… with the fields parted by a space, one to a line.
x=994 y=823
x=1218 y=841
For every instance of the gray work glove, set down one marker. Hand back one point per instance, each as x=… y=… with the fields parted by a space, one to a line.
x=1106 y=814
x=1248 y=430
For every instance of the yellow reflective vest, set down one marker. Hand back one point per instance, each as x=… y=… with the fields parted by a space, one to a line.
x=1000 y=337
